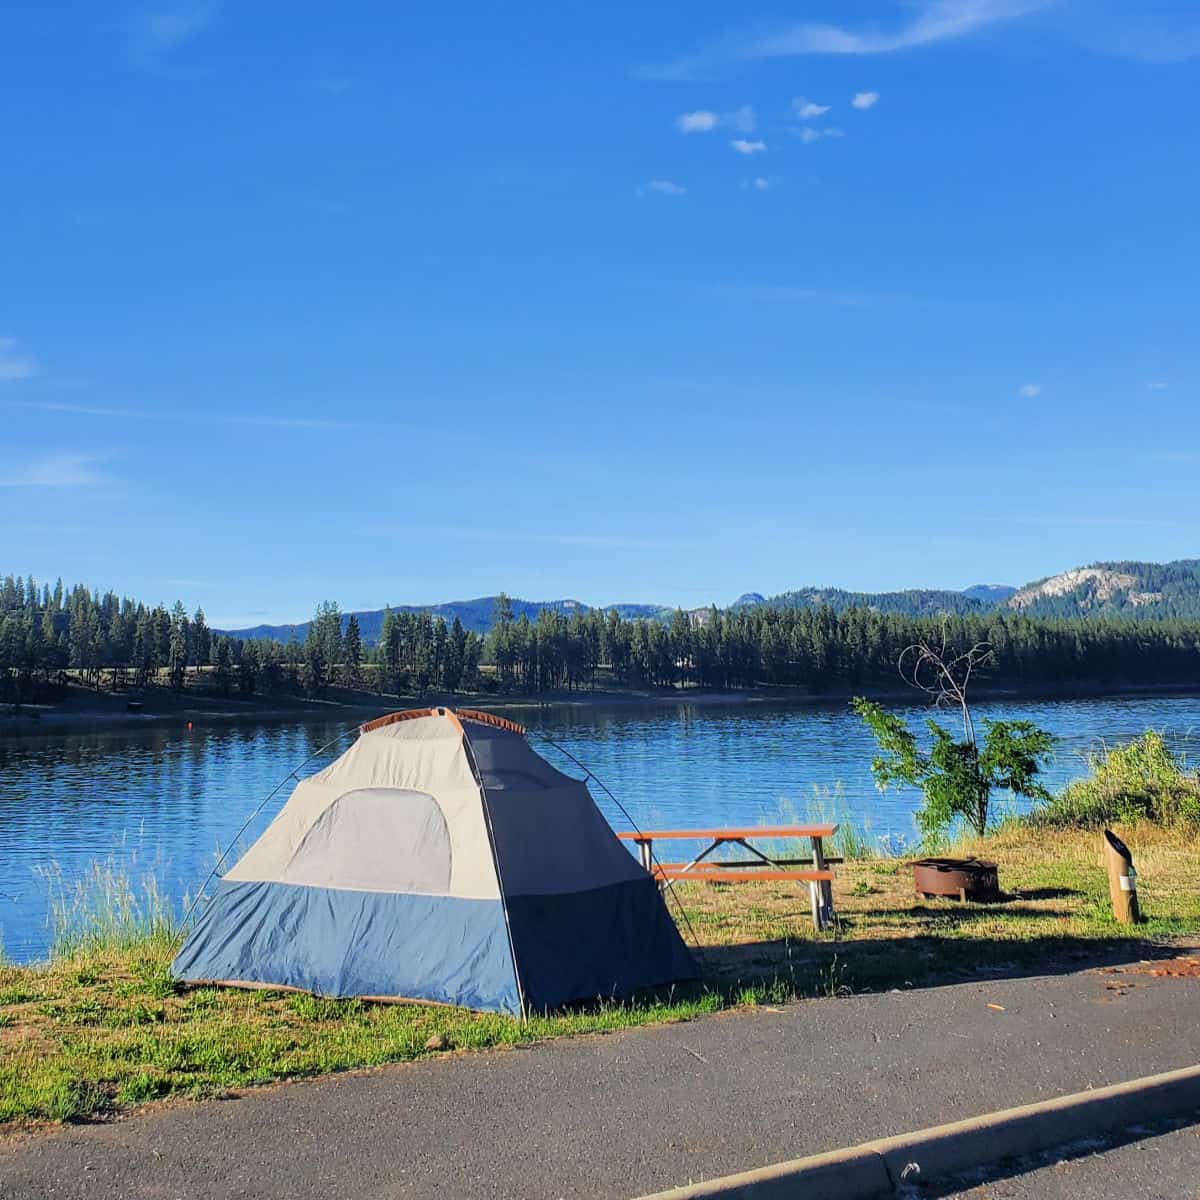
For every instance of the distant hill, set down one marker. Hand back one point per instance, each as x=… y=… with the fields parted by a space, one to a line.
x=989 y=593
x=1132 y=590
x=917 y=602
x=476 y=615
x=630 y=612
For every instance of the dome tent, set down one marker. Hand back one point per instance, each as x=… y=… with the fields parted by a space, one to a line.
x=439 y=858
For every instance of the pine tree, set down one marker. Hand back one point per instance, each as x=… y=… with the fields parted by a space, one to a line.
x=177 y=647
x=352 y=653
x=201 y=651
x=223 y=665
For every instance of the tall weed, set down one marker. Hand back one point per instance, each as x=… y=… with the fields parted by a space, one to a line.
x=107 y=908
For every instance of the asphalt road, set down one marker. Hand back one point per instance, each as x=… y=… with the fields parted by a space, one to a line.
x=629 y=1113
x=1157 y=1165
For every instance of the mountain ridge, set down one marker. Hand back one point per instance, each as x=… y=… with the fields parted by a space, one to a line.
x=1124 y=589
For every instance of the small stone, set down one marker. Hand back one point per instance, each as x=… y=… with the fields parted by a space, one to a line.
x=439 y=1041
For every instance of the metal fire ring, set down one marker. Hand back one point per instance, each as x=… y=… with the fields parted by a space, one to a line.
x=960 y=878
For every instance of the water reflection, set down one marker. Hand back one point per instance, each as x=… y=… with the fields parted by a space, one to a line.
x=172 y=798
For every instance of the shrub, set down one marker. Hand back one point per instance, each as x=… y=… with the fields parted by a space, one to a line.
x=1141 y=781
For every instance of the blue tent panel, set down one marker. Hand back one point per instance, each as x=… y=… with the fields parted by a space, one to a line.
x=603 y=942
x=338 y=942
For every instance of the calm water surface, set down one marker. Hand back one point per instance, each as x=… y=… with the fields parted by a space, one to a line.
x=154 y=799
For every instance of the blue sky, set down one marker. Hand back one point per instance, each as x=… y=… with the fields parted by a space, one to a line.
x=662 y=303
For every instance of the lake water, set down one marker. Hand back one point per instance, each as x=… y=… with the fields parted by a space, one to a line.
x=162 y=800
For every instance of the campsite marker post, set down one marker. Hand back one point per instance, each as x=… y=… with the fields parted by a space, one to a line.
x=1122 y=879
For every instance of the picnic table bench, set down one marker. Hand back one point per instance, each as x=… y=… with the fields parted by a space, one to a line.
x=815 y=869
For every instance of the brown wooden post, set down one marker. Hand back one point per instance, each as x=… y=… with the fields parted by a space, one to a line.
x=1122 y=879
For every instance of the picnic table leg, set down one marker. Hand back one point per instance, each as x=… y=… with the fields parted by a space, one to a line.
x=824 y=889
x=814 y=897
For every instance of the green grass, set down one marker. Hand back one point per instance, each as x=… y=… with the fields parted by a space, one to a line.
x=103 y=1026
x=72 y=1050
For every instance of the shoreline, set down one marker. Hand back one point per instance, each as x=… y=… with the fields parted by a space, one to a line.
x=91 y=712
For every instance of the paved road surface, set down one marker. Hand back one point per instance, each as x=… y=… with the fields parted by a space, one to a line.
x=1159 y=1166
x=624 y=1114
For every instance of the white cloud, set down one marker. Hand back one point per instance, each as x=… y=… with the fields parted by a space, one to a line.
x=744 y=147
x=1158 y=385
x=1030 y=390
x=808 y=134
x=704 y=120
x=701 y=121
x=761 y=184
x=64 y=469
x=666 y=188
x=168 y=28
x=13 y=363
x=807 y=110
x=864 y=100
x=933 y=21
x=335 y=85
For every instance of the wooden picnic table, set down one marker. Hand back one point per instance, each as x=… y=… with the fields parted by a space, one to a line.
x=816 y=873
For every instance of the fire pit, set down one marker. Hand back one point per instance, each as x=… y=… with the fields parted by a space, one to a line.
x=961 y=878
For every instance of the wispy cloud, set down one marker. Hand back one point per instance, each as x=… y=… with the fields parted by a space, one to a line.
x=932 y=21
x=172 y=27
x=665 y=187
x=744 y=147
x=701 y=121
x=61 y=469
x=864 y=100
x=1158 y=385
x=807 y=134
x=1030 y=390
x=471 y=533
x=335 y=85
x=1153 y=31
x=830 y=297
x=808 y=110
x=760 y=184
x=159 y=32
x=14 y=364
x=704 y=120
x=202 y=417
x=1098 y=521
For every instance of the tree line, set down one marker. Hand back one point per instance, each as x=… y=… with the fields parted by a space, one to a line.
x=49 y=634
x=825 y=650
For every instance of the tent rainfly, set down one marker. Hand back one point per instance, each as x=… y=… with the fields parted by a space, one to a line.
x=440 y=859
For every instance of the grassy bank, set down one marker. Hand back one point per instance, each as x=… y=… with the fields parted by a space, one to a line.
x=103 y=1027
